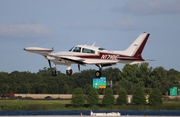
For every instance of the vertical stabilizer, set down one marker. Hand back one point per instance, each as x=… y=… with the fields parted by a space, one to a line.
x=136 y=48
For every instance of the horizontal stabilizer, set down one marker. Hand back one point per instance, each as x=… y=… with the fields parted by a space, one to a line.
x=149 y=60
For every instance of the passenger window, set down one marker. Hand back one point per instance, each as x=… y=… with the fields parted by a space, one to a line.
x=84 y=50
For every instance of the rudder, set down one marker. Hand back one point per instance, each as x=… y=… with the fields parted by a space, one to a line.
x=136 y=48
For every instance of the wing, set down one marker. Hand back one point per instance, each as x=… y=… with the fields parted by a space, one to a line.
x=38 y=50
x=73 y=59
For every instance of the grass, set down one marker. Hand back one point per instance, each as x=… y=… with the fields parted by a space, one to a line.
x=33 y=104
x=66 y=105
x=27 y=102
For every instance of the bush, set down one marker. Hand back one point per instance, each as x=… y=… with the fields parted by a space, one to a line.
x=108 y=99
x=93 y=97
x=155 y=97
x=139 y=97
x=122 y=98
x=78 y=98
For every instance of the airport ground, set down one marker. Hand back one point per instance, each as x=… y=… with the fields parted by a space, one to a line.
x=63 y=102
x=66 y=105
x=69 y=96
x=89 y=116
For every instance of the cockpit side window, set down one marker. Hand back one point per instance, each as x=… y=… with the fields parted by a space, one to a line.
x=77 y=49
x=84 y=50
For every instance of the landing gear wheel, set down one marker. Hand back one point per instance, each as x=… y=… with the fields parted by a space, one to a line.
x=69 y=72
x=54 y=73
x=98 y=74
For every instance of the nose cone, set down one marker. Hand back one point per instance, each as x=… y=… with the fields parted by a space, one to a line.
x=25 y=49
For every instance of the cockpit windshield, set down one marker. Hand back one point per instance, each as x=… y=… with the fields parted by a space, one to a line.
x=71 y=49
x=75 y=49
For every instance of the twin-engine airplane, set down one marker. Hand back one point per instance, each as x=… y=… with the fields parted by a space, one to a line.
x=84 y=54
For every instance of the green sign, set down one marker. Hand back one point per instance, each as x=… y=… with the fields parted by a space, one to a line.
x=99 y=83
x=173 y=91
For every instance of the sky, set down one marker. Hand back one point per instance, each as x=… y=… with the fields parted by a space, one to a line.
x=112 y=24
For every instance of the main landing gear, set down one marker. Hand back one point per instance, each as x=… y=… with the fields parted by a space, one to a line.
x=54 y=72
x=98 y=73
x=68 y=71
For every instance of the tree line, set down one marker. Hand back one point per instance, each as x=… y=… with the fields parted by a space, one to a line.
x=128 y=78
x=138 y=98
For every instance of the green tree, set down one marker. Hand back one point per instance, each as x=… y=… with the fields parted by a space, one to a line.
x=127 y=85
x=93 y=97
x=122 y=97
x=111 y=73
x=139 y=97
x=129 y=78
x=155 y=97
x=116 y=88
x=5 y=90
x=174 y=77
x=143 y=74
x=129 y=72
x=78 y=98
x=108 y=99
x=160 y=78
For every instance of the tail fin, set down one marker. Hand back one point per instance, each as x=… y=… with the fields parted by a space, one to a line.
x=136 y=48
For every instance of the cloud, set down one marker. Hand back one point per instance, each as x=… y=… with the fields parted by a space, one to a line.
x=149 y=7
x=122 y=24
x=24 y=30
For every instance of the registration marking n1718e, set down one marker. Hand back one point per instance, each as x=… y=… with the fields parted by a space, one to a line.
x=109 y=57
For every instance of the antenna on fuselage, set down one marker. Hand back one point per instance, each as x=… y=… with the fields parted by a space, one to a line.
x=93 y=43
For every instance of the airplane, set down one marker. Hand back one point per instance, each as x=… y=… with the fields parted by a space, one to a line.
x=91 y=55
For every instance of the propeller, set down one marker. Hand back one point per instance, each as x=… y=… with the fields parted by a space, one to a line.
x=78 y=67
x=49 y=63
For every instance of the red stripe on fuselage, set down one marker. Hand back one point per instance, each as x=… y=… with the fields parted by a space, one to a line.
x=109 y=56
